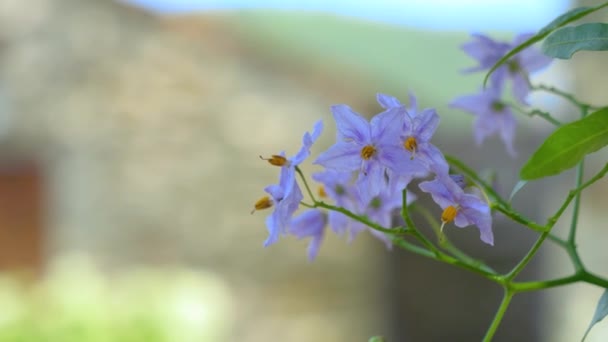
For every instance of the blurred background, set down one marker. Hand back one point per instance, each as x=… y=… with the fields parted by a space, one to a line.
x=129 y=142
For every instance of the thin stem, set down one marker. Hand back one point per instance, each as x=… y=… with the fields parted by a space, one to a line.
x=553 y=219
x=473 y=175
x=567 y=96
x=545 y=284
x=504 y=304
x=526 y=259
x=591 y=278
x=362 y=219
x=536 y=112
x=518 y=218
x=412 y=227
x=312 y=197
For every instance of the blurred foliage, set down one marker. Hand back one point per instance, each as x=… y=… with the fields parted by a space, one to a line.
x=394 y=59
x=75 y=302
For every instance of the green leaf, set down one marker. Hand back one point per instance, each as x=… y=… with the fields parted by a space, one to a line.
x=600 y=312
x=517 y=187
x=565 y=147
x=566 y=18
x=564 y=42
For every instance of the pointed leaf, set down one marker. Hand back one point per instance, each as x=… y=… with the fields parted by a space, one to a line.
x=600 y=312
x=565 y=147
x=517 y=187
x=564 y=42
x=566 y=18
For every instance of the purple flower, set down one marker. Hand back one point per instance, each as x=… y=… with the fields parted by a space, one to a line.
x=487 y=52
x=492 y=116
x=310 y=223
x=416 y=140
x=368 y=147
x=338 y=187
x=286 y=196
x=381 y=209
x=462 y=208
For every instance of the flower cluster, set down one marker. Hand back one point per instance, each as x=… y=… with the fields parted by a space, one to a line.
x=366 y=173
x=493 y=115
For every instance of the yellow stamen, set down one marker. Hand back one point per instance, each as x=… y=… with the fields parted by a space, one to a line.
x=263 y=203
x=411 y=145
x=367 y=152
x=448 y=215
x=322 y=192
x=275 y=160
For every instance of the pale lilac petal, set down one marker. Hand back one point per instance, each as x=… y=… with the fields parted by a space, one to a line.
x=307 y=141
x=314 y=245
x=382 y=237
x=484 y=126
x=425 y=125
x=397 y=159
x=469 y=103
x=439 y=192
x=522 y=37
x=533 y=60
x=275 y=191
x=413 y=107
x=386 y=126
x=311 y=223
x=338 y=222
x=350 y=125
x=433 y=159
x=343 y=156
x=371 y=182
x=273 y=230
x=521 y=88
x=387 y=101
x=508 y=125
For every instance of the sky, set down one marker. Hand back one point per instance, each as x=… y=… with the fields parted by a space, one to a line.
x=470 y=15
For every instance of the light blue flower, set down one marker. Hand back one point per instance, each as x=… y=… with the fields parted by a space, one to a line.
x=310 y=223
x=459 y=207
x=367 y=147
x=487 y=52
x=492 y=116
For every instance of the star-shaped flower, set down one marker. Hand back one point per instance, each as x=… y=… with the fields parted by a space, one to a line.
x=368 y=147
x=492 y=116
x=487 y=52
x=460 y=207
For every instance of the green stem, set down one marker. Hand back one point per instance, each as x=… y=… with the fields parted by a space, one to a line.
x=562 y=94
x=536 y=112
x=362 y=219
x=591 y=278
x=545 y=284
x=312 y=197
x=526 y=259
x=504 y=304
x=518 y=218
x=553 y=219
x=412 y=227
x=473 y=175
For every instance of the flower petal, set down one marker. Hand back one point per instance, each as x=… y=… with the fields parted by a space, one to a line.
x=307 y=141
x=342 y=156
x=425 y=124
x=350 y=125
x=387 y=101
